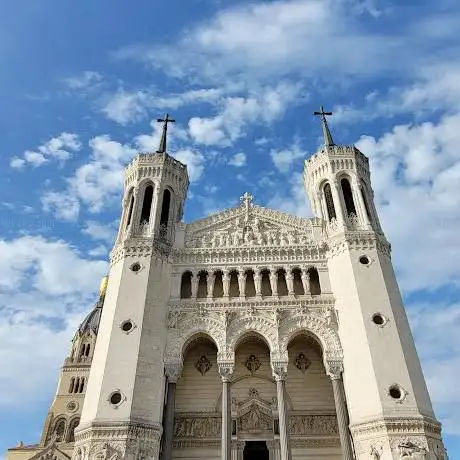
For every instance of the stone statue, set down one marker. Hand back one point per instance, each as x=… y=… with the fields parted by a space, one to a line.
x=375 y=455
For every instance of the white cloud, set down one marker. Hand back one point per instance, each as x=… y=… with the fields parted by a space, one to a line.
x=194 y=161
x=59 y=148
x=63 y=204
x=101 y=232
x=238 y=160
x=85 y=80
x=263 y=105
x=285 y=158
x=126 y=107
x=417 y=168
x=436 y=329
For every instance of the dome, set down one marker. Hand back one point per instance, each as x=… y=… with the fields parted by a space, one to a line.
x=91 y=322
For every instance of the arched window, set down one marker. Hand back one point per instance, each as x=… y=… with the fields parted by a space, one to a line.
x=329 y=202
x=250 y=285
x=281 y=283
x=315 y=287
x=130 y=211
x=71 y=431
x=297 y=281
x=59 y=430
x=88 y=346
x=164 y=218
x=77 y=385
x=234 y=290
x=72 y=383
x=186 y=285
x=218 y=290
x=265 y=281
x=147 y=204
x=202 y=292
x=348 y=196
x=364 y=197
x=82 y=385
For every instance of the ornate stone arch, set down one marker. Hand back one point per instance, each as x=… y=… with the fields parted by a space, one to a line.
x=326 y=336
x=180 y=337
x=262 y=326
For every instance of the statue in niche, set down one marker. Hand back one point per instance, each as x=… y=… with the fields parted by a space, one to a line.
x=302 y=363
x=203 y=365
x=252 y=364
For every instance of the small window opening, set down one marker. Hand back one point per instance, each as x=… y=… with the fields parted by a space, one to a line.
x=164 y=219
x=250 y=286
x=130 y=211
x=72 y=383
x=186 y=285
x=234 y=290
x=281 y=283
x=315 y=287
x=218 y=290
x=202 y=285
x=348 y=196
x=147 y=204
x=266 y=286
x=329 y=202
x=297 y=281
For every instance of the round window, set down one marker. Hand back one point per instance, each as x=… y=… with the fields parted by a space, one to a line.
x=135 y=267
x=378 y=319
x=364 y=260
x=115 y=398
x=126 y=326
x=395 y=392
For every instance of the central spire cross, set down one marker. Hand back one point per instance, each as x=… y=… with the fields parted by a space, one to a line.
x=165 y=121
x=327 y=134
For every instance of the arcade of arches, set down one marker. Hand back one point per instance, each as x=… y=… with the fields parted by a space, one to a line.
x=256 y=424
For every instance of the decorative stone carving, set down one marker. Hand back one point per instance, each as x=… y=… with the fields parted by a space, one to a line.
x=300 y=425
x=255 y=420
x=194 y=426
x=408 y=450
x=279 y=369
x=375 y=453
x=302 y=363
x=203 y=365
x=173 y=371
x=252 y=364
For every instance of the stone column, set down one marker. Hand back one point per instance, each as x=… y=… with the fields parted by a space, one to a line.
x=273 y=282
x=172 y=372
x=280 y=373
x=226 y=283
x=306 y=281
x=290 y=282
x=241 y=282
x=359 y=204
x=195 y=279
x=334 y=370
x=210 y=285
x=226 y=371
x=258 y=282
x=339 y=211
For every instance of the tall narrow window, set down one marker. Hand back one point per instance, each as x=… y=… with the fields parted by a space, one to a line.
x=186 y=285
x=281 y=283
x=130 y=211
x=266 y=285
x=59 y=430
x=297 y=281
x=348 y=196
x=315 y=287
x=165 y=208
x=366 y=204
x=87 y=349
x=218 y=285
x=82 y=385
x=329 y=202
x=147 y=204
x=71 y=431
x=72 y=383
x=234 y=290
x=202 y=285
x=250 y=286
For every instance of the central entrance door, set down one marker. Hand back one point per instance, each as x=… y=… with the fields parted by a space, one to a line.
x=255 y=450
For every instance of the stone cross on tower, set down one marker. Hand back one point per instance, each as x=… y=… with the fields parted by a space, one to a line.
x=327 y=134
x=165 y=121
x=246 y=201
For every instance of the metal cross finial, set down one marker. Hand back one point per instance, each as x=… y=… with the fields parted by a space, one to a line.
x=165 y=121
x=327 y=134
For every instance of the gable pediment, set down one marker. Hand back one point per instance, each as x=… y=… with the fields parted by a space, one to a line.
x=248 y=225
x=51 y=452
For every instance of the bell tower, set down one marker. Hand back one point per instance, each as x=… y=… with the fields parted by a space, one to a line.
x=389 y=407
x=122 y=411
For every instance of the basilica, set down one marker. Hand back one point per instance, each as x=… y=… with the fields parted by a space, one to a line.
x=250 y=334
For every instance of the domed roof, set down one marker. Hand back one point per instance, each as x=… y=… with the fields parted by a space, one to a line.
x=91 y=322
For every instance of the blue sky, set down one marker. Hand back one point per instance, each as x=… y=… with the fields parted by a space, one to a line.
x=81 y=82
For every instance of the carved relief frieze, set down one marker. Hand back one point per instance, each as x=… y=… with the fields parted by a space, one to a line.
x=301 y=425
x=358 y=241
x=197 y=426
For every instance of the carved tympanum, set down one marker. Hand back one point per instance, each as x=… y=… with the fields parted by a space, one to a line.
x=255 y=420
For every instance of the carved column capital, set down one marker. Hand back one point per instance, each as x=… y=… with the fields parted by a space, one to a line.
x=279 y=370
x=334 y=369
x=225 y=369
x=173 y=371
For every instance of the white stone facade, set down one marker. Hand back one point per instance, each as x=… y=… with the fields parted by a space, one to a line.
x=253 y=327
